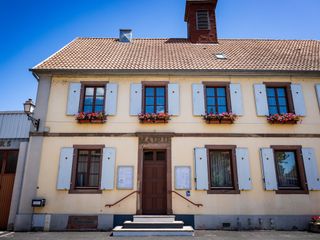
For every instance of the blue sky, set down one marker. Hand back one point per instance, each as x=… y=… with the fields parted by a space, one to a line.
x=33 y=30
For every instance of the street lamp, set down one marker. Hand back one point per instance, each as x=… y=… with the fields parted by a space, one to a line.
x=29 y=109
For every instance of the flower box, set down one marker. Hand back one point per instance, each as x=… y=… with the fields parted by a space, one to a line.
x=154 y=117
x=91 y=117
x=286 y=118
x=221 y=118
x=314 y=225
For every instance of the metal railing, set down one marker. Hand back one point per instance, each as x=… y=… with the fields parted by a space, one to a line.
x=111 y=205
x=195 y=204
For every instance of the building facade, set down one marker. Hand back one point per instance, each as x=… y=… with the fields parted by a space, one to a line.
x=224 y=134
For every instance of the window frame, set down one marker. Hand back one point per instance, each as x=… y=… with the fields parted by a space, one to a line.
x=300 y=167
x=146 y=84
x=197 y=21
x=226 y=85
x=95 y=84
x=73 y=188
x=287 y=86
x=234 y=172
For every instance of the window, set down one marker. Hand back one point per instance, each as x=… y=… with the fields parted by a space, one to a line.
x=203 y=22
x=222 y=169
x=155 y=99
x=87 y=169
x=93 y=99
x=8 y=161
x=217 y=98
x=279 y=98
x=289 y=169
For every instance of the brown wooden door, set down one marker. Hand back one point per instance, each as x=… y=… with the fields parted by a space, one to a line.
x=154 y=182
x=8 y=164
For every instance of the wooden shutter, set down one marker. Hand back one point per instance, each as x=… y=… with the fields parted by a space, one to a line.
x=65 y=169
x=236 y=99
x=198 y=99
x=73 y=98
x=173 y=99
x=318 y=93
x=201 y=169
x=108 y=168
x=111 y=99
x=268 y=169
x=243 y=167
x=311 y=168
x=298 y=100
x=135 y=99
x=260 y=94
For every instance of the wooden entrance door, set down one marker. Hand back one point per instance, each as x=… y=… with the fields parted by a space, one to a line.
x=154 y=182
x=8 y=164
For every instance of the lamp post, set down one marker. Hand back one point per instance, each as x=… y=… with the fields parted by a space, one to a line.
x=29 y=109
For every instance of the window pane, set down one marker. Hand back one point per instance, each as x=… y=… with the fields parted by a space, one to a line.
x=148 y=156
x=1 y=160
x=221 y=169
x=87 y=109
x=222 y=101
x=282 y=101
x=211 y=109
x=160 y=109
x=270 y=92
x=100 y=91
x=99 y=109
x=100 y=101
x=149 y=109
x=273 y=110
x=287 y=169
x=221 y=92
x=89 y=91
x=160 y=100
x=149 y=92
x=283 y=109
x=160 y=92
x=81 y=180
x=222 y=109
x=88 y=101
x=210 y=92
x=93 y=181
x=281 y=92
x=95 y=168
x=149 y=101
x=161 y=156
x=11 y=163
x=211 y=101
x=272 y=101
x=82 y=167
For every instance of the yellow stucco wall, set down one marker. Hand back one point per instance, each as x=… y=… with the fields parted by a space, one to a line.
x=256 y=201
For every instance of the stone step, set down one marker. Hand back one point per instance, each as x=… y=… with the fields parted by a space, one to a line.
x=153 y=218
x=119 y=231
x=174 y=224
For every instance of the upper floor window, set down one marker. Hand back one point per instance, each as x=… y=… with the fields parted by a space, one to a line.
x=94 y=99
x=155 y=99
x=203 y=22
x=279 y=98
x=217 y=98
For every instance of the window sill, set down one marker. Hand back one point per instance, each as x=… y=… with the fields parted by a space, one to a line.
x=85 y=191
x=289 y=191
x=98 y=121
x=153 y=121
x=231 y=191
x=222 y=121
x=292 y=122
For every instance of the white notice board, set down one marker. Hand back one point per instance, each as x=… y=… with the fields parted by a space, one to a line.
x=125 y=177
x=182 y=178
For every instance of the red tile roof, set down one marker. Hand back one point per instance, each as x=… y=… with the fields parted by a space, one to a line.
x=180 y=55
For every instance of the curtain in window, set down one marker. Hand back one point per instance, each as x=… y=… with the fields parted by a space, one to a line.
x=221 y=169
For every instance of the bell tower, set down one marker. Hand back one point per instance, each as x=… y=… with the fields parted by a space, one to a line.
x=201 y=19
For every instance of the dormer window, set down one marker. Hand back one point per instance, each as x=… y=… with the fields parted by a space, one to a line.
x=203 y=21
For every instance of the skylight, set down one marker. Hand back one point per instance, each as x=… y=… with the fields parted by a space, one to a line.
x=220 y=56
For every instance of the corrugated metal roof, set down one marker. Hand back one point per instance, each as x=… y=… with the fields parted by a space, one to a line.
x=14 y=125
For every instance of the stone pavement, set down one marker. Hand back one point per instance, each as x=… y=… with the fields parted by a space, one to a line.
x=200 y=235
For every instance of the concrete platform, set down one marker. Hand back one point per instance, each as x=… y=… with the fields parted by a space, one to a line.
x=153 y=218
x=119 y=231
x=174 y=224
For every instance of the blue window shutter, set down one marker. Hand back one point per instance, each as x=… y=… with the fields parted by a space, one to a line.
x=260 y=94
x=173 y=99
x=73 y=98
x=108 y=168
x=135 y=99
x=318 y=93
x=65 y=169
x=243 y=167
x=236 y=99
x=201 y=169
x=198 y=99
x=311 y=168
x=268 y=169
x=111 y=99
x=298 y=99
